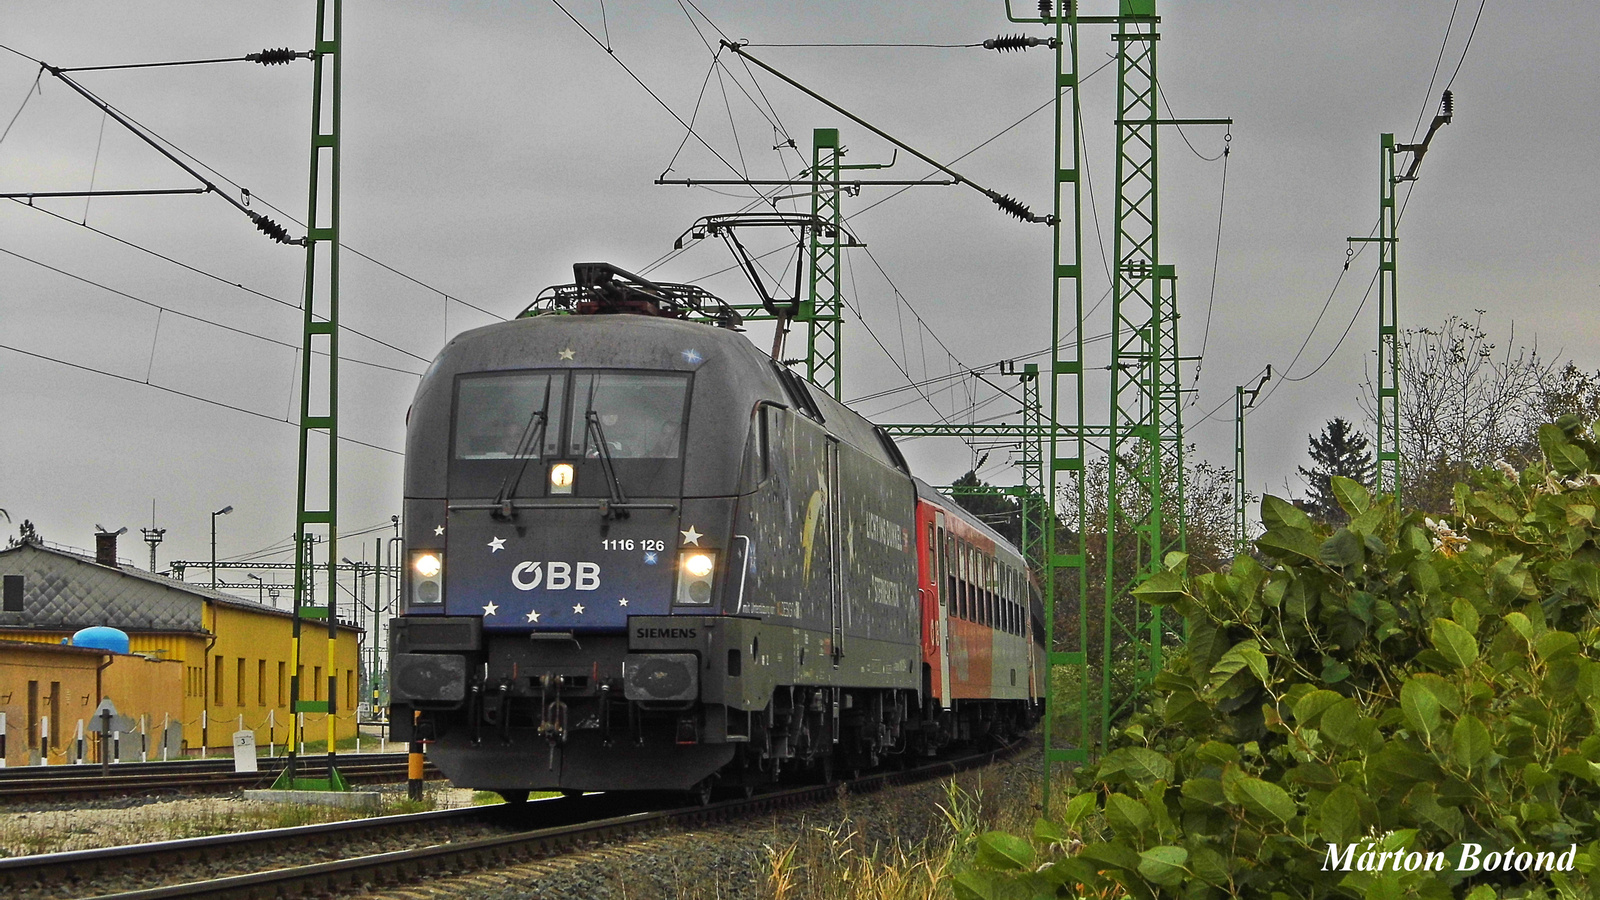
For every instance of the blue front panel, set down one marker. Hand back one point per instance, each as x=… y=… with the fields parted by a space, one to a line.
x=560 y=569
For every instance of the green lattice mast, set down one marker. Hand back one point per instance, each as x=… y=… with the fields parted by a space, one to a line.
x=316 y=506
x=1136 y=500
x=822 y=309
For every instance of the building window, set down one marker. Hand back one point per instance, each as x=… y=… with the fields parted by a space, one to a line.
x=216 y=690
x=316 y=682
x=13 y=593
x=238 y=688
x=283 y=686
x=261 y=682
x=350 y=689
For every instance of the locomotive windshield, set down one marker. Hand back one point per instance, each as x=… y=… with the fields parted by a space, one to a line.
x=509 y=416
x=638 y=416
x=505 y=420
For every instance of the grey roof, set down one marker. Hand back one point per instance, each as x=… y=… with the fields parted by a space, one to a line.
x=66 y=591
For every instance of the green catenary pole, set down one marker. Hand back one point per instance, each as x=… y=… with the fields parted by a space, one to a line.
x=1238 y=470
x=316 y=507
x=1063 y=581
x=1389 y=472
x=1136 y=492
x=823 y=307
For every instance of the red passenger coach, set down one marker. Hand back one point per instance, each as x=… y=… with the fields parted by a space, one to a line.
x=979 y=622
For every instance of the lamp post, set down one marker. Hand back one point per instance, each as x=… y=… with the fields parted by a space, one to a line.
x=221 y=512
x=261 y=587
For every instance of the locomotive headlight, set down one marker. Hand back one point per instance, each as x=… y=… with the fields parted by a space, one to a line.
x=695 y=574
x=427 y=583
x=428 y=565
x=698 y=565
x=561 y=478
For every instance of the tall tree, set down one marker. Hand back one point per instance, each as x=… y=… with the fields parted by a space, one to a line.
x=1339 y=450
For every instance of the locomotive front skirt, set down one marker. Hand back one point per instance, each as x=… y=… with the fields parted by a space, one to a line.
x=641 y=555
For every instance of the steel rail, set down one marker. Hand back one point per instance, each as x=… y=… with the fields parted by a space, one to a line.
x=405 y=866
x=92 y=786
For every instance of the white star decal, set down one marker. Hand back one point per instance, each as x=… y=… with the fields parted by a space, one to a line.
x=691 y=536
x=623 y=602
x=439 y=530
x=496 y=545
x=490 y=609
x=578 y=610
x=533 y=615
x=566 y=354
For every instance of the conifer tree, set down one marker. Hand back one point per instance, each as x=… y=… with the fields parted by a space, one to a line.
x=1339 y=450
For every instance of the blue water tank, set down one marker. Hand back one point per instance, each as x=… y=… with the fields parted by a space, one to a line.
x=100 y=637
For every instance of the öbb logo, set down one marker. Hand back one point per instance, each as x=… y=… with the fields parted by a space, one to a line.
x=556 y=576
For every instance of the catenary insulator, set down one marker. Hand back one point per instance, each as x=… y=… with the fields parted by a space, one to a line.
x=272 y=229
x=1012 y=206
x=1007 y=42
x=270 y=57
x=1044 y=9
x=1447 y=107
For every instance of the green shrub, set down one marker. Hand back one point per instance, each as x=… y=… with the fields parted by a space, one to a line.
x=1400 y=684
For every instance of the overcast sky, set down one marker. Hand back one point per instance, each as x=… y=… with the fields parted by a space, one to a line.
x=488 y=146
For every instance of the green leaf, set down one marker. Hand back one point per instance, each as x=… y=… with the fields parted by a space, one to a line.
x=1288 y=542
x=1310 y=707
x=1456 y=643
x=1209 y=866
x=999 y=850
x=1343 y=549
x=1341 y=815
x=1047 y=832
x=1244 y=655
x=1334 y=671
x=1127 y=815
x=1111 y=853
x=1276 y=512
x=1266 y=797
x=973 y=885
x=1563 y=456
x=1162 y=588
x=1421 y=709
x=1142 y=766
x=1339 y=721
x=1465 y=614
x=1351 y=494
x=1077 y=808
x=1164 y=865
x=1553 y=645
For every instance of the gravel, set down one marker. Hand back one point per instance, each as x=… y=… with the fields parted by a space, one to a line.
x=733 y=862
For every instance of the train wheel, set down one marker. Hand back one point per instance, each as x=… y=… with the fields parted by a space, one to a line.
x=514 y=798
x=701 y=794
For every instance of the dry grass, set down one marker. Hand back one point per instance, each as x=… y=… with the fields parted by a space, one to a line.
x=843 y=863
x=52 y=831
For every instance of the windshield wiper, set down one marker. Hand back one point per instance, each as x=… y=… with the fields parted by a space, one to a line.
x=607 y=510
x=532 y=439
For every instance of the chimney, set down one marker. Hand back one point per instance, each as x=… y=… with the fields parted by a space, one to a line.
x=105 y=548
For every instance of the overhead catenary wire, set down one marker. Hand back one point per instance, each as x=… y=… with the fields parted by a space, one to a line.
x=212 y=322
x=206 y=400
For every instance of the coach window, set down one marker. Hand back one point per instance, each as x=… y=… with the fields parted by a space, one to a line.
x=964 y=551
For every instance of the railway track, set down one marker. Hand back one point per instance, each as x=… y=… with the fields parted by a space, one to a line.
x=49 y=783
x=506 y=835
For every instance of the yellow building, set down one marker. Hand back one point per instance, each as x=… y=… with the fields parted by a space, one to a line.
x=234 y=654
x=49 y=691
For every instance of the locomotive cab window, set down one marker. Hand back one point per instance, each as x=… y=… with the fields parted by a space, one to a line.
x=509 y=416
x=635 y=415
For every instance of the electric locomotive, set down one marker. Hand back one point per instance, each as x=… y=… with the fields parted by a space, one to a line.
x=641 y=554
